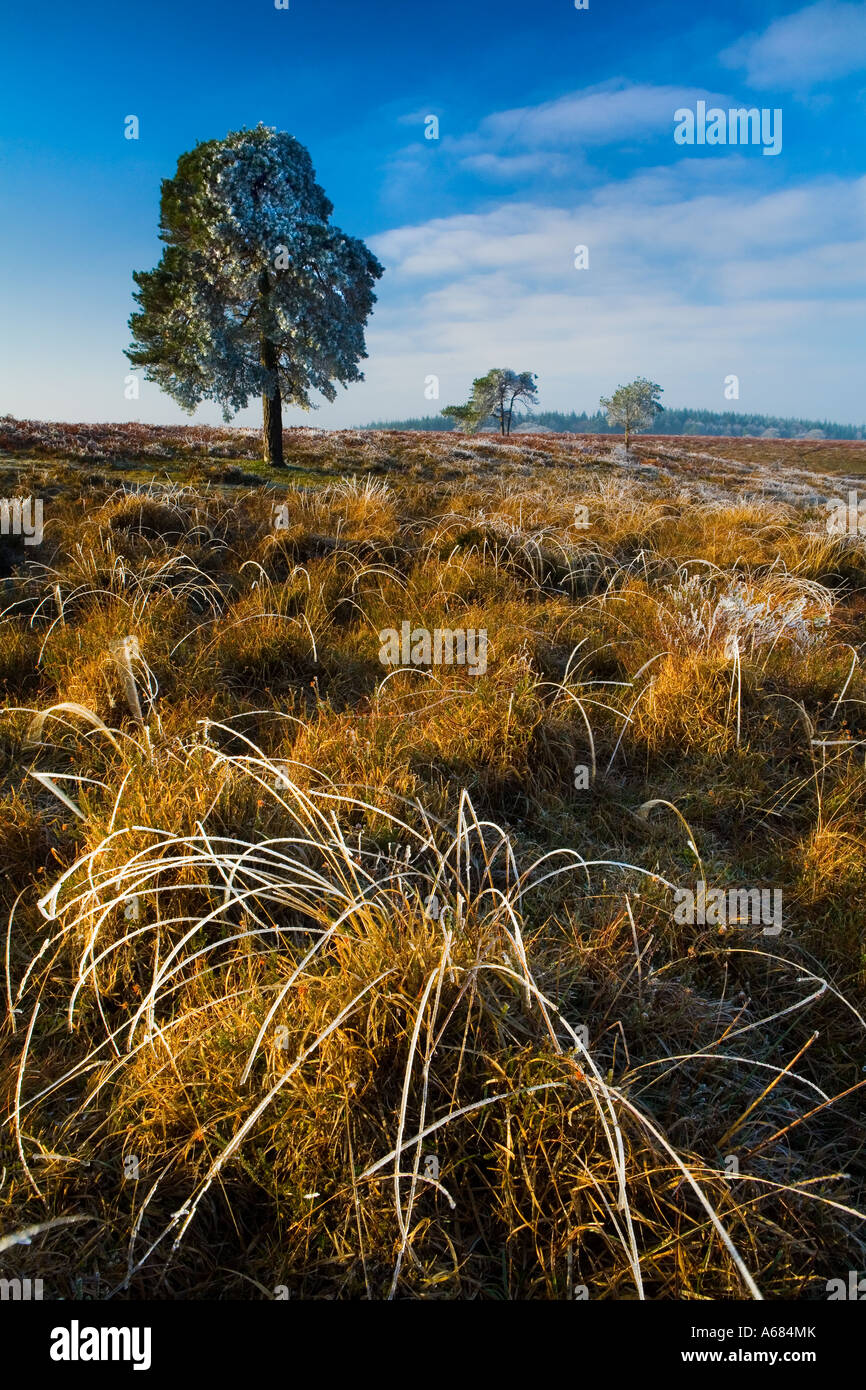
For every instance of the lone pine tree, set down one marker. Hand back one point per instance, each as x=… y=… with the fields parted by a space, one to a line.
x=634 y=406
x=494 y=395
x=256 y=293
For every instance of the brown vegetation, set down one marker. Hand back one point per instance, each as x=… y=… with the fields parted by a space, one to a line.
x=243 y=1047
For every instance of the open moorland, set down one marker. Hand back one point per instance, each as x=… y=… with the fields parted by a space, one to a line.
x=329 y=978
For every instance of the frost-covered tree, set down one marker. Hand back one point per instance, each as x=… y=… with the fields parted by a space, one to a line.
x=256 y=293
x=634 y=406
x=494 y=395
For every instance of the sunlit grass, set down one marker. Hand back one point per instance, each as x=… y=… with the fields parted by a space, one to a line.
x=366 y=982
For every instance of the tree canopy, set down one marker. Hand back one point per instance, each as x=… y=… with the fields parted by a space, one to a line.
x=256 y=293
x=634 y=406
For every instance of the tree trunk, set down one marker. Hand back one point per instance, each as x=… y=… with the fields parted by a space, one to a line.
x=272 y=405
x=272 y=410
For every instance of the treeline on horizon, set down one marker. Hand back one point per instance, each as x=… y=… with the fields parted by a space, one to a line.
x=670 y=421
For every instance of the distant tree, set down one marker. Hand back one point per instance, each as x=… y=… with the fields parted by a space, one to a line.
x=256 y=293
x=634 y=407
x=494 y=395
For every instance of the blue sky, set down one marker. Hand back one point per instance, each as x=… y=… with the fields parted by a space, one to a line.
x=556 y=129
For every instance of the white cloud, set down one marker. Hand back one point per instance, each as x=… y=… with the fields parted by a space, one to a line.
x=822 y=42
x=552 y=139
x=656 y=221
x=601 y=115
x=689 y=280
x=419 y=116
x=509 y=167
